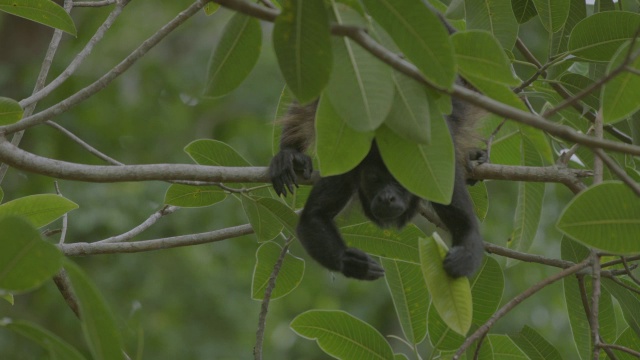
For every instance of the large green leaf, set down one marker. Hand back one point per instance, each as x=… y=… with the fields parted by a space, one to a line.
x=620 y=95
x=263 y=222
x=577 y=12
x=451 y=297
x=534 y=345
x=628 y=300
x=214 y=153
x=426 y=170
x=40 y=209
x=598 y=36
x=98 y=323
x=56 y=347
x=411 y=111
x=574 y=83
x=420 y=36
x=235 y=55
x=10 y=111
x=360 y=87
x=440 y=335
x=524 y=10
x=410 y=297
x=281 y=212
x=289 y=277
x=529 y=207
x=342 y=335
x=302 y=41
x=495 y=16
x=553 y=13
x=193 y=196
x=480 y=197
x=338 y=146
x=487 y=287
x=481 y=59
x=630 y=340
x=26 y=261
x=605 y=216
x=45 y=12
x=577 y=319
x=397 y=245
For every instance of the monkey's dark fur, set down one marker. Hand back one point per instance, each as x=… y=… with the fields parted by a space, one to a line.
x=383 y=199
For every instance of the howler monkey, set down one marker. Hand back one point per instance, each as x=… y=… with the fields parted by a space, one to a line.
x=383 y=199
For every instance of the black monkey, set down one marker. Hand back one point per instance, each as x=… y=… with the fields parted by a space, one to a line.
x=383 y=199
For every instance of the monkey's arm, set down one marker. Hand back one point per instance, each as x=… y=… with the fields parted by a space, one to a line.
x=465 y=255
x=319 y=235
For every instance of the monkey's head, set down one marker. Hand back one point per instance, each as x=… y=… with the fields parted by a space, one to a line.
x=384 y=200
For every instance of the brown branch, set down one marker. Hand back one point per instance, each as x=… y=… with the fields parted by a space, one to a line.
x=61 y=279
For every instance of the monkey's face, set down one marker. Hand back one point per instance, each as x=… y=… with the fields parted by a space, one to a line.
x=384 y=200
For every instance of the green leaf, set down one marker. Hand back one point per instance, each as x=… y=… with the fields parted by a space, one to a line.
x=338 y=146
x=235 y=55
x=480 y=197
x=411 y=111
x=26 y=261
x=605 y=216
x=214 y=153
x=629 y=301
x=500 y=347
x=289 y=277
x=440 y=335
x=574 y=83
x=495 y=16
x=598 y=36
x=487 y=288
x=10 y=111
x=534 y=345
x=410 y=297
x=524 y=10
x=577 y=319
x=40 y=210
x=98 y=323
x=302 y=41
x=398 y=245
x=360 y=88
x=553 y=13
x=8 y=297
x=451 y=297
x=56 y=347
x=45 y=12
x=342 y=335
x=420 y=36
x=483 y=63
x=620 y=95
x=529 y=207
x=281 y=212
x=630 y=340
x=560 y=39
x=264 y=224
x=211 y=8
x=1 y=194
x=193 y=196
x=426 y=170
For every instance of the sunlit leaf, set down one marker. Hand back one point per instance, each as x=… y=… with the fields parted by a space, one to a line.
x=495 y=16
x=451 y=297
x=598 y=36
x=10 y=110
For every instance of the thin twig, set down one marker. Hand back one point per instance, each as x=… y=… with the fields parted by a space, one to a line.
x=61 y=279
x=142 y=227
x=621 y=348
x=63 y=231
x=264 y=307
x=595 y=304
x=629 y=272
x=84 y=144
x=100 y=3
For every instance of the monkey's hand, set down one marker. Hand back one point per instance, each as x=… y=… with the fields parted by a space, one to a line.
x=283 y=169
x=476 y=157
x=358 y=264
x=465 y=259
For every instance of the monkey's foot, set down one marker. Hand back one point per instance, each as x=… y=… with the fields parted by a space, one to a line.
x=462 y=261
x=358 y=264
x=476 y=157
x=284 y=167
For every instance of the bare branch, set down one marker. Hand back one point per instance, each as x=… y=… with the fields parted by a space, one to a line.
x=142 y=227
x=61 y=279
x=84 y=144
x=595 y=304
